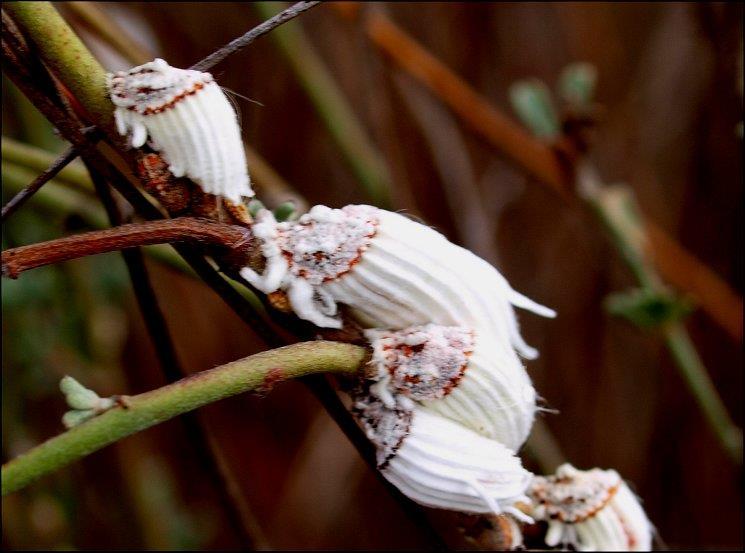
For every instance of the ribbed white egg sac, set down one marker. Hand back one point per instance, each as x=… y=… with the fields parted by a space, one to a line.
x=188 y=119
x=458 y=373
x=411 y=275
x=437 y=462
x=590 y=510
x=445 y=465
x=404 y=274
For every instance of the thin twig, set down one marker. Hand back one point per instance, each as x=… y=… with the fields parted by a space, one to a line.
x=150 y=408
x=701 y=386
x=241 y=42
x=183 y=229
x=38 y=159
x=70 y=128
x=616 y=208
x=18 y=200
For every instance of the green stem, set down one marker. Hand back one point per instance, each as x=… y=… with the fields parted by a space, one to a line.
x=257 y=372
x=692 y=368
x=332 y=106
x=616 y=208
x=66 y=55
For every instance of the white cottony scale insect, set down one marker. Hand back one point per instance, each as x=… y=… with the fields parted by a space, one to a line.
x=591 y=510
x=438 y=463
x=391 y=271
x=188 y=119
x=458 y=373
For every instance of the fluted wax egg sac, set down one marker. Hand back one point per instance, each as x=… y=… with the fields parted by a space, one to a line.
x=591 y=510
x=458 y=373
x=439 y=463
x=391 y=271
x=188 y=119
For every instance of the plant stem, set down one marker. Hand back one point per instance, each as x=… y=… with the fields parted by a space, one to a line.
x=20 y=198
x=57 y=198
x=142 y=411
x=182 y=229
x=55 y=195
x=616 y=208
x=699 y=383
x=333 y=108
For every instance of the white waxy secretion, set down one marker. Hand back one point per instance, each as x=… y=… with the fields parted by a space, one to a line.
x=391 y=271
x=188 y=119
x=459 y=374
x=439 y=463
x=591 y=510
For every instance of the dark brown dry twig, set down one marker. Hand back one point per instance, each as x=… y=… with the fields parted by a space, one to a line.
x=19 y=199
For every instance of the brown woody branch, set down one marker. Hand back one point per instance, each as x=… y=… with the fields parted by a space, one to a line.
x=188 y=230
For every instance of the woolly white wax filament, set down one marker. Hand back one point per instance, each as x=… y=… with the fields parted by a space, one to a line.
x=188 y=119
x=591 y=510
x=438 y=463
x=458 y=373
x=391 y=271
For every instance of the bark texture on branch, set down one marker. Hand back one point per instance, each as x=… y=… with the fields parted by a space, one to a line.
x=188 y=230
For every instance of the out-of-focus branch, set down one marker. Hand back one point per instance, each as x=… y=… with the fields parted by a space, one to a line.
x=676 y=265
x=692 y=368
x=681 y=269
x=145 y=410
x=183 y=229
x=616 y=208
x=498 y=129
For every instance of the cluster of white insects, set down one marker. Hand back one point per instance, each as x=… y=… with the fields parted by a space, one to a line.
x=449 y=402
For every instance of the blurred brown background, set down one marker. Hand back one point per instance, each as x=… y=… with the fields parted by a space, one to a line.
x=672 y=92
